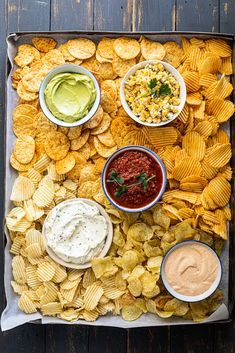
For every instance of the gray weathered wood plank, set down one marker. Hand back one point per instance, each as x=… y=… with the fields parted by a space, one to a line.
x=151 y=340
x=28 y=15
x=113 y=15
x=107 y=339
x=71 y=15
x=197 y=15
x=227 y=16
x=153 y=15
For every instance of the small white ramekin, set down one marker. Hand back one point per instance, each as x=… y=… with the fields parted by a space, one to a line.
x=107 y=244
x=63 y=69
x=151 y=154
x=169 y=68
x=188 y=298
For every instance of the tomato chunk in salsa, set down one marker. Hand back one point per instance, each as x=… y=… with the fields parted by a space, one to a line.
x=133 y=179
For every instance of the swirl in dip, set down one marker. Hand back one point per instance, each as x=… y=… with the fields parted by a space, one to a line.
x=75 y=231
x=191 y=269
x=70 y=96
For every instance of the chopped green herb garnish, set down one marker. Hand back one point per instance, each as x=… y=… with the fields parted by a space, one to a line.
x=142 y=179
x=152 y=83
x=164 y=90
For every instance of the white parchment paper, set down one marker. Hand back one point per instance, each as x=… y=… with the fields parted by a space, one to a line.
x=12 y=316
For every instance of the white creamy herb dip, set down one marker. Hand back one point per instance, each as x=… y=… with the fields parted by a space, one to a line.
x=76 y=231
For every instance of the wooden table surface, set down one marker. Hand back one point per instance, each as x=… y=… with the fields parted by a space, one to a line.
x=113 y=15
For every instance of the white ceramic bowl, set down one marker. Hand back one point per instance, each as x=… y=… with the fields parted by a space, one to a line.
x=169 y=68
x=188 y=298
x=63 y=69
x=159 y=162
x=107 y=244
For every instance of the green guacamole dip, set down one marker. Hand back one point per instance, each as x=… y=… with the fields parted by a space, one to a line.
x=70 y=96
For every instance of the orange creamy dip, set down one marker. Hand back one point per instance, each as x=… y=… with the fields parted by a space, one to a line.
x=191 y=269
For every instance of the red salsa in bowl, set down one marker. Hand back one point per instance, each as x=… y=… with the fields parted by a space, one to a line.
x=134 y=178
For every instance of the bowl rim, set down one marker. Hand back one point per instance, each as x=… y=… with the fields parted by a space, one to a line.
x=189 y=298
x=63 y=69
x=107 y=244
x=153 y=155
x=168 y=67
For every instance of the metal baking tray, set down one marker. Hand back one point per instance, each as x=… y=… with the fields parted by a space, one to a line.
x=161 y=37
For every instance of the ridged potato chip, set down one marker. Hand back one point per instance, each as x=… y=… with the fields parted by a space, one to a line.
x=207 y=79
x=218 y=155
x=226 y=67
x=210 y=64
x=44 y=195
x=18 y=269
x=194 y=145
x=222 y=109
x=81 y=48
x=188 y=166
x=45 y=271
x=191 y=79
x=219 y=189
x=92 y=296
x=204 y=128
x=26 y=304
x=219 y=47
x=161 y=137
x=22 y=189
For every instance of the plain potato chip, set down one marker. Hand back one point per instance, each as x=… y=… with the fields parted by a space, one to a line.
x=24 y=149
x=174 y=53
x=44 y=44
x=66 y=164
x=81 y=48
x=131 y=312
x=22 y=189
x=56 y=145
x=126 y=48
x=102 y=149
x=24 y=125
x=80 y=141
x=152 y=50
x=121 y=66
x=95 y=120
x=103 y=126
